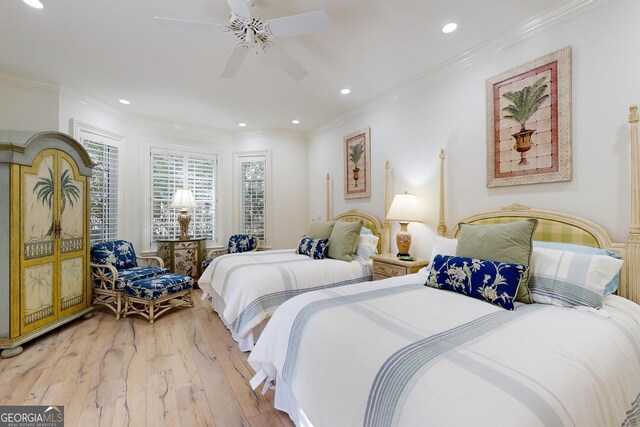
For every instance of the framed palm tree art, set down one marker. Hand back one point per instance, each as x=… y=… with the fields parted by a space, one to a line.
x=357 y=164
x=529 y=122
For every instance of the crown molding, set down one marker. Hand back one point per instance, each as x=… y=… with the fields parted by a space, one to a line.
x=94 y=103
x=29 y=83
x=527 y=29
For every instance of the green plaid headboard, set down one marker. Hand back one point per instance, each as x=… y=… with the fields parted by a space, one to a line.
x=368 y=220
x=549 y=230
x=552 y=226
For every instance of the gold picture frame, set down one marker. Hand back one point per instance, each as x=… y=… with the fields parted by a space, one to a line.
x=357 y=164
x=529 y=122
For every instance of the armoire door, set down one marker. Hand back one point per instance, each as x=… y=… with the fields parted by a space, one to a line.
x=53 y=233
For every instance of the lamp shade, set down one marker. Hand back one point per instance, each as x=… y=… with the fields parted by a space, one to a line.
x=404 y=208
x=183 y=199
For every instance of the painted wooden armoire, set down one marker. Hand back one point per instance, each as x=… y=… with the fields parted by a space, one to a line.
x=44 y=235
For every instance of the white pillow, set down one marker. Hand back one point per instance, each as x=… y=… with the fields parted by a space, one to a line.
x=443 y=246
x=570 y=279
x=367 y=246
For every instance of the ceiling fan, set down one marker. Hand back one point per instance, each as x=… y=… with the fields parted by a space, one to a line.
x=254 y=33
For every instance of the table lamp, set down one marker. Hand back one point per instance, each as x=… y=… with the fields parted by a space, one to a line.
x=183 y=200
x=404 y=208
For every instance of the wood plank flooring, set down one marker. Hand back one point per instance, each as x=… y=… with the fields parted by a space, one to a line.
x=185 y=370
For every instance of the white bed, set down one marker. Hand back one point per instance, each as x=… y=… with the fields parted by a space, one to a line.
x=246 y=288
x=398 y=353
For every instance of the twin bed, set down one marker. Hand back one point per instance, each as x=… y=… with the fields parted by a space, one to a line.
x=397 y=352
x=246 y=288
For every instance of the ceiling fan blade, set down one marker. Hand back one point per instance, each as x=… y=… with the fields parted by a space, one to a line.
x=240 y=7
x=187 y=23
x=297 y=25
x=286 y=62
x=234 y=61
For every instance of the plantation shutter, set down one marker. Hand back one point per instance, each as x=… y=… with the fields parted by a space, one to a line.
x=253 y=196
x=172 y=170
x=103 y=206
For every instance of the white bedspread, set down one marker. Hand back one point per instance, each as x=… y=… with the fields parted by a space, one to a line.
x=396 y=353
x=248 y=287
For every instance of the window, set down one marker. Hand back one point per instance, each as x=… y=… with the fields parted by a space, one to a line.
x=103 y=205
x=172 y=170
x=253 y=193
x=102 y=147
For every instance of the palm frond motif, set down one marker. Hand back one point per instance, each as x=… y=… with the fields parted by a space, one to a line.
x=357 y=151
x=525 y=102
x=45 y=189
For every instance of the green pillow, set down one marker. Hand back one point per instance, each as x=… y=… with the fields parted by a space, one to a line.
x=343 y=240
x=320 y=229
x=506 y=243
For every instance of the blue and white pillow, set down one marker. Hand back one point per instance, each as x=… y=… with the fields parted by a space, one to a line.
x=612 y=286
x=314 y=248
x=241 y=243
x=119 y=253
x=490 y=281
x=570 y=279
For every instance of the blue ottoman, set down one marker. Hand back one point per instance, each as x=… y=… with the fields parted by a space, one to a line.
x=152 y=297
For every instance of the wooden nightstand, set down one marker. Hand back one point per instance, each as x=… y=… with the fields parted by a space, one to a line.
x=388 y=265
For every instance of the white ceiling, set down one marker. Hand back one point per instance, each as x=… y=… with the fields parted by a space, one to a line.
x=112 y=49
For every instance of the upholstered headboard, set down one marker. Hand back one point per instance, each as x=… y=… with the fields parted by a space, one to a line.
x=368 y=220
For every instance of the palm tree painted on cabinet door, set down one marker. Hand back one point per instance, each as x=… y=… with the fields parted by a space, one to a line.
x=45 y=189
x=524 y=104
x=356 y=154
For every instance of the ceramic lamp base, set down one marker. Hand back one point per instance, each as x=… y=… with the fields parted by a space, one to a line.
x=403 y=240
x=184 y=219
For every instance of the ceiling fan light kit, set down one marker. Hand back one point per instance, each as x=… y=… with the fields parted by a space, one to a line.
x=257 y=33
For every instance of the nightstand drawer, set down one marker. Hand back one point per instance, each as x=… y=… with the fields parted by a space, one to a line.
x=388 y=270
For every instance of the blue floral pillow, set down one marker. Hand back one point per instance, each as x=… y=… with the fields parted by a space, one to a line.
x=314 y=248
x=241 y=243
x=494 y=282
x=118 y=253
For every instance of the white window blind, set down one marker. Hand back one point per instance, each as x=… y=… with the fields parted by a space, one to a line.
x=172 y=170
x=103 y=191
x=253 y=196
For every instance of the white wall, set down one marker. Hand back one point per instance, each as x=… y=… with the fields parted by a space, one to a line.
x=27 y=104
x=450 y=113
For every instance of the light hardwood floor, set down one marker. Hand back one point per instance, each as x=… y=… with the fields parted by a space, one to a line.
x=185 y=370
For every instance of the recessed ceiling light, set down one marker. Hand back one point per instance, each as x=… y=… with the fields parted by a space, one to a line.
x=345 y=91
x=34 y=3
x=295 y=121
x=242 y=124
x=449 y=28
x=124 y=101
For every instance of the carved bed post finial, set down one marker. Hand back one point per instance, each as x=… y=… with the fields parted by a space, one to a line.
x=328 y=207
x=442 y=227
x=633 y=240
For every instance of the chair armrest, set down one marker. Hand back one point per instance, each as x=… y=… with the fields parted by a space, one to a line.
x=217 y=252
x=257 y=245
x=150 y=259
x=99 y=273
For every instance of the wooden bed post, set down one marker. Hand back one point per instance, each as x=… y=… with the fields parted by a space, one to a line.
x=442 y=227
x=632 y=291
x=328 y=207
x=386 y=229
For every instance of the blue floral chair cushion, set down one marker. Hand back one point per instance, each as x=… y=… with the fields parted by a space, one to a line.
x=494 y=282
x=314 y=248
x=130 y=275
x=158 y=286
x=242 y=243
x=119 y=253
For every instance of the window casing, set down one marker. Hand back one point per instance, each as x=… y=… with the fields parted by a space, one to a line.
x=172 y=170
